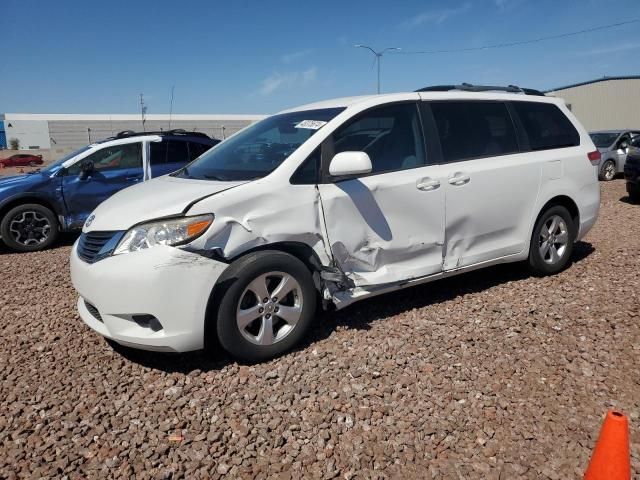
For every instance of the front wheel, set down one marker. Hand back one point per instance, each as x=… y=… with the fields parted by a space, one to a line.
x=29 y=227
x=552 y=241
x=608 y=171
x=267 y=307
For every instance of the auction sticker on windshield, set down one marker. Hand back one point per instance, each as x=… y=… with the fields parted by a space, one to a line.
x=311 y=124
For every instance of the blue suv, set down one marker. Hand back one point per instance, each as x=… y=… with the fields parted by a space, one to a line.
x=35 y=207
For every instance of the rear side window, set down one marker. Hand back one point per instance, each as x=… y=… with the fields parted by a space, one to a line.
x=546 y=126
x=177 y=152
x=158 y=152
x=197 y=149
x=474 y=130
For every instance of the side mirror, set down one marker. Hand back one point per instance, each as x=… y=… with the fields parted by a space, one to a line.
x=86 y=169
x=350 y=163
x=624 y=145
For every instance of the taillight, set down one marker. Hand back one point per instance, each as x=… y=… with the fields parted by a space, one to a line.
x=594 y=157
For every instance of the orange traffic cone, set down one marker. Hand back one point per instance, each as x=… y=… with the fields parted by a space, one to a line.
x=610 y=459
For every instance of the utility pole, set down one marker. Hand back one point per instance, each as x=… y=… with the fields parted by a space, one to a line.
x=143 y=111
x=171 y=106
x=378 y=56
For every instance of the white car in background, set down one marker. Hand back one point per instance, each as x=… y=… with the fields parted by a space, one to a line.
x=330 y=203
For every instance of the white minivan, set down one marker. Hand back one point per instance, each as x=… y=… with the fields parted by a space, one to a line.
x=330 y=203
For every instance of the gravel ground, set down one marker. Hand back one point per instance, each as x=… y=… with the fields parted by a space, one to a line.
x=493 y=374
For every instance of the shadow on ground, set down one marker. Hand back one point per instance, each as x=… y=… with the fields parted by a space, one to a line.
x=629 y=200
x=360 y=315
x=66 y=239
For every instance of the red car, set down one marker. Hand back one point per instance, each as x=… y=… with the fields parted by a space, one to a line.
x=21 y=160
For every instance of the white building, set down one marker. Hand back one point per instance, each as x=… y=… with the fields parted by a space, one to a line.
x=62 y=133
x=605 y=103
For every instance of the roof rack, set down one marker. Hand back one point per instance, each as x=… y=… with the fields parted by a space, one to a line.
x=175 y=131
x=468 y=87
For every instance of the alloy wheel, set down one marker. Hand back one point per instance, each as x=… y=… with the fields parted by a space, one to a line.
x=269 y=308
x=554 y=238
x=29 y=228
x=609 y=171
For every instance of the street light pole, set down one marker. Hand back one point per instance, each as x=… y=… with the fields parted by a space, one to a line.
x=378 y=56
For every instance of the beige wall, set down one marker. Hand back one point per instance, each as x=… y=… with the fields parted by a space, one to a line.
x=610 y=104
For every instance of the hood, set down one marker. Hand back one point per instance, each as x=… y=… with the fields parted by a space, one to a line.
x=19 y=180
x=160 y=197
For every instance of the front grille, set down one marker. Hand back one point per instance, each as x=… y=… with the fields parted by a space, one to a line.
x=91 y=244
x=93 y=311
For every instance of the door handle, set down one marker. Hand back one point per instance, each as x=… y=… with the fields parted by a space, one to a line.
x=426 y=184
x=459 y=178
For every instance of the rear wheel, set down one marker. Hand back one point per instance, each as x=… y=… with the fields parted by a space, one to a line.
x=29 y=227
x=552 y=241
x=267 y=307
x=608 y=171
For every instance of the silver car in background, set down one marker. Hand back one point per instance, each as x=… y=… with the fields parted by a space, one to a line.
x=613 y=146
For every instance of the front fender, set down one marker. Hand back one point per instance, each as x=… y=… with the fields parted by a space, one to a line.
x=54 y=202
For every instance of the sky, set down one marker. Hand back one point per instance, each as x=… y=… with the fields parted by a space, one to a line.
x=254 y=57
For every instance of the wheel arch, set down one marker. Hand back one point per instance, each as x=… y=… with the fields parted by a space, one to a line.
x=299 y=250
x=563 y=201
x=608 y=159
x=17 y=201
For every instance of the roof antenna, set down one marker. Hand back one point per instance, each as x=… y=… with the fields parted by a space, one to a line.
x=171 y=105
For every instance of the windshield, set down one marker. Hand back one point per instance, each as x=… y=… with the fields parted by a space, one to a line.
x=259 y=149
x=603 y=140
x=57 y=163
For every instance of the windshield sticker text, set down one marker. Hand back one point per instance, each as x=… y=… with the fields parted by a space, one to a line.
x=311 y=124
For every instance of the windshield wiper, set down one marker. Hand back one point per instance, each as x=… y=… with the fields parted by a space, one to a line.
x=183 y=172
x=214 y=177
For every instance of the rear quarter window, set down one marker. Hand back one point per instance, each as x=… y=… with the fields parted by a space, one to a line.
x=546 y=126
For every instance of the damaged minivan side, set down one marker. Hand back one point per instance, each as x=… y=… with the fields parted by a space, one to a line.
x=330 y=203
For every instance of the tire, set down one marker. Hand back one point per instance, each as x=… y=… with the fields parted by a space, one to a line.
x=542 y=261
x=608 y=171
x=39 y=232
x=33 y=164
x=268 y=269
x=634 y=192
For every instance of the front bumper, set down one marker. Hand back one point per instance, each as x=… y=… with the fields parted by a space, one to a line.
x=166 y=283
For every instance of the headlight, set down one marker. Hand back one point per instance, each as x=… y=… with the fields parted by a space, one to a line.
x=172 y=231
